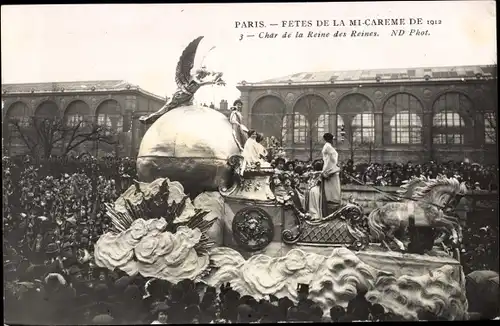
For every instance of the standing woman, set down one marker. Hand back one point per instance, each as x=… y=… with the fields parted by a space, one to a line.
x=330 y=176
x=240 y=131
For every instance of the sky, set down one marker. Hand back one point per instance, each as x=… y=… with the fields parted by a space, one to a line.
x=141 y=43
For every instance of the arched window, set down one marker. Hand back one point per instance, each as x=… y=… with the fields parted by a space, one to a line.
x=406 y=128
x=322 y=126
x=405 y=124
x=312 y=107
x=363 y=128
x=300 y=128
x=268 y=116
x=47 y=110
x=490 y=128
x=20 y=113
x=17 y=117
x=357 y=110
x=109 y=115
x=77 y=112
x=447 y=124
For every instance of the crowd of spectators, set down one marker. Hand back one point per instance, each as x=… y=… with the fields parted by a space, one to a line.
x=294 y=171
x=477 y=177
x=53 y=214
x=49 y=294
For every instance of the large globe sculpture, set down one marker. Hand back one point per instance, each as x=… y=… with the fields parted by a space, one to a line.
x=189 y=144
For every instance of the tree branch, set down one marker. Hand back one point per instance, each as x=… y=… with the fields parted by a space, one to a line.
x=26 y=140
x=96 y=133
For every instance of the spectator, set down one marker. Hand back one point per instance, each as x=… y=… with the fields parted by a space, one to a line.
x=161 y=312
x=336 y=313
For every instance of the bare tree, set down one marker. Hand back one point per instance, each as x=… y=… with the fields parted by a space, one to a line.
x=84 y=132
x=43 y=135
x=364 y=145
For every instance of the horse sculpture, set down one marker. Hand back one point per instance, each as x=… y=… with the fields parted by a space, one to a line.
x=426 y=200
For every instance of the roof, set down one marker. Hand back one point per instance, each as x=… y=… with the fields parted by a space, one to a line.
x=75 y=86
x=401 y=74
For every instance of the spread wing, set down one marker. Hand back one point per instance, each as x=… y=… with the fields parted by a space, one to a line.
x=186 y=63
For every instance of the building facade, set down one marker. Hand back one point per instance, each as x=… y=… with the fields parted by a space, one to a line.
x=391 y=115
x=115 y=104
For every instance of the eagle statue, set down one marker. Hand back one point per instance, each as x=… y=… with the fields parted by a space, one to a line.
x=187 y=83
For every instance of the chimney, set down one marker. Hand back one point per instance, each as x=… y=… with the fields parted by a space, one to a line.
x=223 y=105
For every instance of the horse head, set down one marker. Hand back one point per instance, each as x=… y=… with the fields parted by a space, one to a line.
x=440 y=191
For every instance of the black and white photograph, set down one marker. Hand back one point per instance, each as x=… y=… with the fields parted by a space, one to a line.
x=206 y=163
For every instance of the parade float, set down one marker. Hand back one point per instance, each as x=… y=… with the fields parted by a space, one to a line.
x=200 y=212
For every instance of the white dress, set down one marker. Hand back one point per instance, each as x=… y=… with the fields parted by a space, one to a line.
x=252 y=153
x=239 y=129
x=331 y=185
x=329 y=189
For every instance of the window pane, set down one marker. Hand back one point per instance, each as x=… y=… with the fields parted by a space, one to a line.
x=101 y=120
x=406 y=128
x=118 y=123
x=74 y=119
x=447 y=118
x=299 y=128
x=363 y=128
x=439 y=139
x=490 y=130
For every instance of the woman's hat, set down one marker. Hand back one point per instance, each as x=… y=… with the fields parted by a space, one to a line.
x=51 y=248
x=160 y=307
x=55 y=276
x=74 y=270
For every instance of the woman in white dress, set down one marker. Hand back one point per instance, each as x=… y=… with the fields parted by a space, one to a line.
x=239 y=129
x=253 y=152
x=312 y=203
x=330 y=176
x=262 y=150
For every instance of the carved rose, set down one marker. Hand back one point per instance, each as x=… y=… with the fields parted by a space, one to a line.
x=144 y=251
x=138 y=229
x=155 y=226
x=113 y=251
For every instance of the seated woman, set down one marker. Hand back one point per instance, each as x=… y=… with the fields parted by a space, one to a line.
x=253 y=151
x=262 y=150
x=312 y=204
